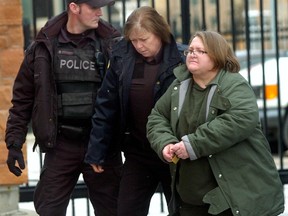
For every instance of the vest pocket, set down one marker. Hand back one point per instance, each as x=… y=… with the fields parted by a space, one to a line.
x=75 y=105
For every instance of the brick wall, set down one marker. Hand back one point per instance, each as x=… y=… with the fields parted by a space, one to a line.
x=11 y=56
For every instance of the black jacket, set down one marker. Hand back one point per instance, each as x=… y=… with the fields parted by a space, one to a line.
x=34 y=90
x=109 y=120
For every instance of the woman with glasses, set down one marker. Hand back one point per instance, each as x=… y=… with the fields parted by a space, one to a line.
x=207 y=127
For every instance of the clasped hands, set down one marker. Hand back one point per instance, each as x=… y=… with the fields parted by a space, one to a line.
x=171 y=150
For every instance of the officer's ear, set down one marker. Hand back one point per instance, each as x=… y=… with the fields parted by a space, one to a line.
x=74 y=8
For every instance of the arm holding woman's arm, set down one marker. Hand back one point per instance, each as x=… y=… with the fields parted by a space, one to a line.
x=159 y=130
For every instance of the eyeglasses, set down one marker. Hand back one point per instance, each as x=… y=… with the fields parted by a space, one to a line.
x=194 y=52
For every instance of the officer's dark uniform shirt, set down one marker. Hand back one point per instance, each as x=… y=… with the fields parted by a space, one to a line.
x=141 y=102
x=79 y=40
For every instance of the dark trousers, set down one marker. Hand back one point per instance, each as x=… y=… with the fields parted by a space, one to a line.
x=138 y=184
x=60 y=174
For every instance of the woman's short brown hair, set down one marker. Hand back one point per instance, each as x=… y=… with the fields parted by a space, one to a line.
x=149 y=19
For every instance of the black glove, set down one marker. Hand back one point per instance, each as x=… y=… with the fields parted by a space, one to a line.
x=15 y=154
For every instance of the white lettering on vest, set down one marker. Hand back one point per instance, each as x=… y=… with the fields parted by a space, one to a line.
x=73 y=64
x=62 y=63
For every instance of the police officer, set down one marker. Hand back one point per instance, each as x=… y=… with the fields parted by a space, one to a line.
x=55 y=88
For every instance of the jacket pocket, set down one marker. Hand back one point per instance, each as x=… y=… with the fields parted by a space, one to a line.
x=216 y=200
x=219 y=105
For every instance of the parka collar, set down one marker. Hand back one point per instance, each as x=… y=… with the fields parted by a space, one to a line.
x=53 y=26
x=181 y=73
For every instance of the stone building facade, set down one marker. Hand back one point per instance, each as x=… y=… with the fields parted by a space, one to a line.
x=11 y=56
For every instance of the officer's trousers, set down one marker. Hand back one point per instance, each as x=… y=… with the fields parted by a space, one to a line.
x=59 y=175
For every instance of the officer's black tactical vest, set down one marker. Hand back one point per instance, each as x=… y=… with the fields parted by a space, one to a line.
x=78 y=80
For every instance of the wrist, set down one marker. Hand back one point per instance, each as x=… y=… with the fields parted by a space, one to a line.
x=14 y=145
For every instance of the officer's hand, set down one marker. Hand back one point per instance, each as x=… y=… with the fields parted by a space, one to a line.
x=15 y=154
x=97 y=168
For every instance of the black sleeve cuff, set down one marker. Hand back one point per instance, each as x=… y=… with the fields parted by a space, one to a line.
x=14 y=145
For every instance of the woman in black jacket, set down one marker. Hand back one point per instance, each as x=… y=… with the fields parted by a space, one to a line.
x=141 y=69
